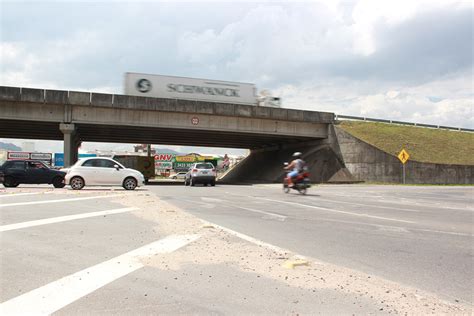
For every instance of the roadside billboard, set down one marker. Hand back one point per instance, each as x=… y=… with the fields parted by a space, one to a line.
x=182 y=166
x=171 y=87
x=164 y=157
x=188 y=158
x=20 y=155
x=160 y=165
x=164 y=161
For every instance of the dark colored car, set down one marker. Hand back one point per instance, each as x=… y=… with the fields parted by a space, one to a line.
x=15 y=172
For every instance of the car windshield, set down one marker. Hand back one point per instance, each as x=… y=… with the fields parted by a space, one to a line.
x=204 y=166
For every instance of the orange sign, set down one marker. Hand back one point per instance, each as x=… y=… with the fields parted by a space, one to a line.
x=403 y=156
x=190 y=158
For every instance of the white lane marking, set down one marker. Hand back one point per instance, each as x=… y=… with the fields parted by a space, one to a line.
x=206 y=199
x=395 y=228
x=338 y=211
x=21 y=194
x=59 y=219
x=380 y=227
x=384 y=199
x=442 y=232
x=403 y=201
x=369 y=205
x=55 y=295
x=61 y=200
x=278 y=216
x=249 y=239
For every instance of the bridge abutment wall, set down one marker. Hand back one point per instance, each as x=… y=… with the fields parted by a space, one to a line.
x=368 y=163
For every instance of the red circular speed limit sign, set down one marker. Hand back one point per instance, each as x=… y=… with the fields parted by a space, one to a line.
x=195 y=120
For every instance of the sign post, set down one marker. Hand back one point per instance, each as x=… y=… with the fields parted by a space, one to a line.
x=403 y=156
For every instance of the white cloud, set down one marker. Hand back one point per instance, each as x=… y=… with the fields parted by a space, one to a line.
x=406 y=60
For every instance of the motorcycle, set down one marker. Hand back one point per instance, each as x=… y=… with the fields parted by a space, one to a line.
x=301 y=183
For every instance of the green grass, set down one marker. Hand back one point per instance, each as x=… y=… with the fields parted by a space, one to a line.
x=422 y=144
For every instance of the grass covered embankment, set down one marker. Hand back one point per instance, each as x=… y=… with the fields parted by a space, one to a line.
x=423 y=144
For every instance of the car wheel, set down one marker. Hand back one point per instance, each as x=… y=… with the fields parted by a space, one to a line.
x=213 y=183
x=174 y=178
x=58 y=182
x=77 y=183
x=191 y=182
x=185 y=182
x=10 y=182
x=129 y=184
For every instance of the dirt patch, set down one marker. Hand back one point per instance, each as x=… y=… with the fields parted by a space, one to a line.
x=219 y=247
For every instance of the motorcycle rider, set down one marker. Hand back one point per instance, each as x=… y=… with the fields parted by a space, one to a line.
x=297 y=166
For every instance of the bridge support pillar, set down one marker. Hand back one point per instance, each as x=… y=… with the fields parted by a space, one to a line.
x=71 y=143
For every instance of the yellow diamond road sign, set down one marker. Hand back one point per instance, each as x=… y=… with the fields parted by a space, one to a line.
x=403 y=156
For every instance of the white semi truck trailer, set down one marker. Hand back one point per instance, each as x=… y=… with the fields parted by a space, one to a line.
x=171 y=87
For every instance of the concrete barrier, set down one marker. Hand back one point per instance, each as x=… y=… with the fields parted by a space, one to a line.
x=56 y=96
x=266 y=166
x=243 y=110
x=101 y=99
x=32 y=95
x=10 y=93
x=79 y=98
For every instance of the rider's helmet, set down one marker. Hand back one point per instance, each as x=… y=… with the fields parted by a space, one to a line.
x=297 y=154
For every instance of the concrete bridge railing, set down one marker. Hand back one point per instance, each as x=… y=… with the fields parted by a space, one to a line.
x=17 y=94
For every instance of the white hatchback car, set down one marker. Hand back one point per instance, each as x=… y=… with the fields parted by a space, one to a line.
x=179 y=175
x=102 y=171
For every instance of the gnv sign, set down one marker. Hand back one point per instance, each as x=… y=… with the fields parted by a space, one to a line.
x=170 y=87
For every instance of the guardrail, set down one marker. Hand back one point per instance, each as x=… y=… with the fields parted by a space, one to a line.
x=368 y=119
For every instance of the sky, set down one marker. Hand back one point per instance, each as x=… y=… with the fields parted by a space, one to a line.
x=400 y=60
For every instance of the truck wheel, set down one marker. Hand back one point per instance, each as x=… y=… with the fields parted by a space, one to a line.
x=77 y=183
x=10 y=182
x=129 y=184
x=58 y=182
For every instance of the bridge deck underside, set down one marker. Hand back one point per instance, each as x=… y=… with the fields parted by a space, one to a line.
x=145 y=135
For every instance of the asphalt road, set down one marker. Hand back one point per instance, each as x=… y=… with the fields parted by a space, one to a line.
x=420 y=236
x=108 y=251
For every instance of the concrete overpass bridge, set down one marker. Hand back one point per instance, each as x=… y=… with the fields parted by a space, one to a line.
x=75 y=117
